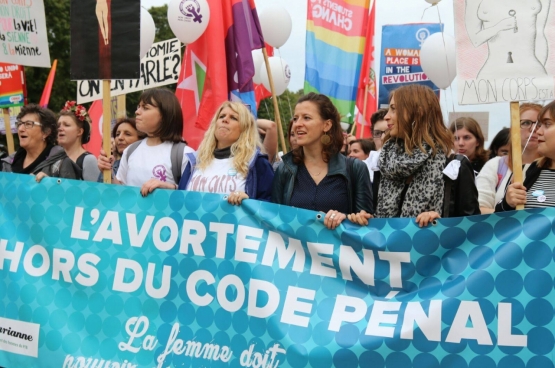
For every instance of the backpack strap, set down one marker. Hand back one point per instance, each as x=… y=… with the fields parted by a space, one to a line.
x=132 y=147
x=78 y=167
x=189 y=169
x=177 y=160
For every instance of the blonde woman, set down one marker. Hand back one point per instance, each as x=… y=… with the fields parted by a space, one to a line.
x=229 y=159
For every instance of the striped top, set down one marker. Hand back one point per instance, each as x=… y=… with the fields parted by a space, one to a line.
x=542 y=193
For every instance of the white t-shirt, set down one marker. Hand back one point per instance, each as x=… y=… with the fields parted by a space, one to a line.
x=149 y=162
x=220 y=177
x=372 y=162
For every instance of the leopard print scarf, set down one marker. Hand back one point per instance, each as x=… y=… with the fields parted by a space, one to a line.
x=422 y=169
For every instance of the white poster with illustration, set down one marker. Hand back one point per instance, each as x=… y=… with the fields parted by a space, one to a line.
x=504 y=50
x=23 y=37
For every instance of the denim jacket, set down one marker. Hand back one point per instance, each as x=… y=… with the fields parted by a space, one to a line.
x=354 y=171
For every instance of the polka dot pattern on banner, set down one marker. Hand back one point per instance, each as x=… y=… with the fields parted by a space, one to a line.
x=488 y=262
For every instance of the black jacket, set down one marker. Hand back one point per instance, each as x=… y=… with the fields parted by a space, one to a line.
x=461 y=195
x=355 y=171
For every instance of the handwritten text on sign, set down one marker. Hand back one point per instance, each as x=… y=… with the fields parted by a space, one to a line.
x=159 y=67
x=23 y=37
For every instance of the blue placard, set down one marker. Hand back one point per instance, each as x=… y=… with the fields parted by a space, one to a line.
x=400 y=57
x=94 y=275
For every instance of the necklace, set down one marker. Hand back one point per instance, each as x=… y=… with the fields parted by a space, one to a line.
x=313 y=175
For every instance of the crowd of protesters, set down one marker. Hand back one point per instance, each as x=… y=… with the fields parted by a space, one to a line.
x=413 y=166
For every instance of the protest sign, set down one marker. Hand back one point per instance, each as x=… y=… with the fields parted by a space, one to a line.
x=23 y=33
x=105 y=39
x=97 y=275
x=13 y=114
x=12 y=85
x=400 y=57
x=159 y=67
x=503 y=51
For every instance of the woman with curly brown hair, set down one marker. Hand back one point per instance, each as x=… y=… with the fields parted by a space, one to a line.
x=469 y=141
x=315 y=175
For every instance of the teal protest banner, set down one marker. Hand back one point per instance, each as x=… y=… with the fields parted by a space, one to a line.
x=94 y=275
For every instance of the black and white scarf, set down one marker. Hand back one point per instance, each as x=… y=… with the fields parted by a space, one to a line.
x=420 y=171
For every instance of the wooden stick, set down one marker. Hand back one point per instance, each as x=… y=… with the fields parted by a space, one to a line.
x=122 y=112
x=9 y=135
x=274 y=98
x=106 y=125
x=515 y=145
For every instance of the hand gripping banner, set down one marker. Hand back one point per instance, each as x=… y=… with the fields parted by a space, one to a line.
x=94 y=275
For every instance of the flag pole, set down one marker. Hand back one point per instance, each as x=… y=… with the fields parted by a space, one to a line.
x=364 y=110
x=274 y=98
x=106 y=124
x=9 y=135
x=515 y=145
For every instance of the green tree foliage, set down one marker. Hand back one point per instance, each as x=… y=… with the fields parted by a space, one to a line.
x=57 y=23
x=160 y=16
x=286 y=105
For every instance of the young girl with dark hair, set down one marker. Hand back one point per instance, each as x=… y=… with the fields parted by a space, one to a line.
x=148 y=163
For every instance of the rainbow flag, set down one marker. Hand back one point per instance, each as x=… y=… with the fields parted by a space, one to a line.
x=335 y=40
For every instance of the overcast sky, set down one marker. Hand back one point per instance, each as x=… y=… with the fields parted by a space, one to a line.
x=388 y=12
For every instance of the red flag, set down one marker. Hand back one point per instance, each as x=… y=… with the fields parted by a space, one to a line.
x=95 y=112
x=367 y=78
x=48 y=85
x=218 y=66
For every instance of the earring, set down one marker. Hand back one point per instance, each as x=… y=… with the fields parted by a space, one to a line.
x=325 y=139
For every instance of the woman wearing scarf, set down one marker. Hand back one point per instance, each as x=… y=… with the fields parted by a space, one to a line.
x=413 y=161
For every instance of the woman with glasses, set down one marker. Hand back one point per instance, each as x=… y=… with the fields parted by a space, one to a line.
x=379 y=127
x=496 y=173
x=538 y=188
x=36 y=129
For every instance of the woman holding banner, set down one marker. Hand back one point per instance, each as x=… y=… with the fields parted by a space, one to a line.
x=538 y=189
x=229 y=159
x=415 y=178
x=36 y=128
x=315 y=175
x=158 y=160
x=74 y=162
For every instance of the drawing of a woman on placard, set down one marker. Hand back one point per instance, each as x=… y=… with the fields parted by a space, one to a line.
x=102 y=15
x=514 y=32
